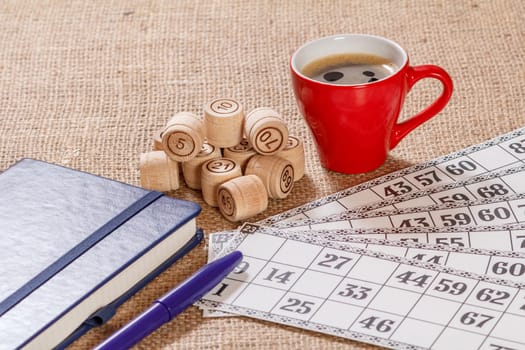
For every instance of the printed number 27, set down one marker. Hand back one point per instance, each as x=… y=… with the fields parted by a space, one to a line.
x=334 y=261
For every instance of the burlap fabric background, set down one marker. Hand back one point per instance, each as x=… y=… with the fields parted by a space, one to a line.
x=85 y=84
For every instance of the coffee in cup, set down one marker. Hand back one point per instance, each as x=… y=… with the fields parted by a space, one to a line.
x=349 y=68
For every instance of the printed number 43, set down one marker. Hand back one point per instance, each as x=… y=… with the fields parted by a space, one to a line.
x=397 y=189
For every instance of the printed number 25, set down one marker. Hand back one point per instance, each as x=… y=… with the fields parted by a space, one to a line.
x=298 y=306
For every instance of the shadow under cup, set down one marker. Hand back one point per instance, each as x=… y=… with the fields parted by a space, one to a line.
x=355 y=125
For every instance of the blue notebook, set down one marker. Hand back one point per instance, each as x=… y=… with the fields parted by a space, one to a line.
x=74 y=246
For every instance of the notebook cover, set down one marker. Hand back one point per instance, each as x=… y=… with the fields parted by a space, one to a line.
x=97 y=227
x=103 y=315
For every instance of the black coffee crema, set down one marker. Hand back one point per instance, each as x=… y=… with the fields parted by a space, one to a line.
x=349 y=69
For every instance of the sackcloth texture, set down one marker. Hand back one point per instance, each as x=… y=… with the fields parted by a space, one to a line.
x=85 y=84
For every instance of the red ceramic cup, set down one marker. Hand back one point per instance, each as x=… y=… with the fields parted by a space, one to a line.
x=354 y=126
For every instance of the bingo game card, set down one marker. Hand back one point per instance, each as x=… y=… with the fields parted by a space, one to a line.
x=496 y=154
x=490 y=185
x=500 y=264
x=365 y=295
x=503 y=238
x=483 y=212
x=413 y=259
x=440 y=245
x=495 y=184
x=507 y=238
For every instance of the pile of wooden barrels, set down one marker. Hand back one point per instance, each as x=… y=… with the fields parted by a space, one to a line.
x=237 y=160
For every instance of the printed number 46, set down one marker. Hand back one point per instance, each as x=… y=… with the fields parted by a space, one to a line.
x=380 y=325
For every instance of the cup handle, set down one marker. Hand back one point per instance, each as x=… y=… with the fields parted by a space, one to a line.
x=414 y=74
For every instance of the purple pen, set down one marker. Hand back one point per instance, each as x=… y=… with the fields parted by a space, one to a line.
x=172 y=303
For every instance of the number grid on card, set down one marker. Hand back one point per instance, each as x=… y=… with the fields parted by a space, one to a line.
x=499 y=238
x=497 y=263
x=252 y=229
x=456 y=240
x=474 y=307
x=487 y=188
x=509 y=237
x=498 y=153
x=495 y=240
x=500 y=210
x=494 y=184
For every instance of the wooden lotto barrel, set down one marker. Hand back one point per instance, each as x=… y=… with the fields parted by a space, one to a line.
x=294 y=152
x=158 y=172
x=240 y=153
x=242 y=197
x=157 y=140
x=183 y=136
x=276 y=173
x=191 y=169
x=266 y=131
x=213 y=173
x=224 y=118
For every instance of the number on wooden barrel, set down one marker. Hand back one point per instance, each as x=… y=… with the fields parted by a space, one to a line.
x=276 y=173
x=242 y=197
x=294 y=152
x=183 y=136
x=213 y=173
x=265 y=130
x=240 y=153
x=224 y=118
